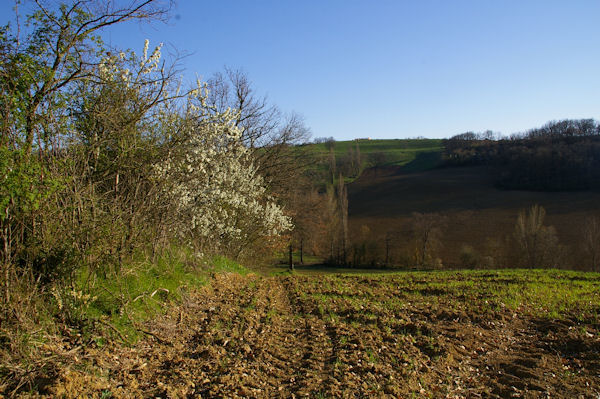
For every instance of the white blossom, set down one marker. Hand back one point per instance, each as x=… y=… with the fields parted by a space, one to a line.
x=210 y=186
x=215 y=186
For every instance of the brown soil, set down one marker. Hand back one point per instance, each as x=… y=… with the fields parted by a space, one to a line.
x=345 y=336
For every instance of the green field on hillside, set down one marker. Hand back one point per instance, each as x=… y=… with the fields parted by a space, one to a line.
x=367 y=146
x=413 y=155
x=396 y=151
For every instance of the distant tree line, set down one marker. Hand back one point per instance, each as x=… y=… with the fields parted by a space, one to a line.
x=561 y=155
x=321 y=140
x=421 y=242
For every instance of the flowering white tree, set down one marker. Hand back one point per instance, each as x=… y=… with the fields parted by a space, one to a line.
x=203 y=187
x=213 y=186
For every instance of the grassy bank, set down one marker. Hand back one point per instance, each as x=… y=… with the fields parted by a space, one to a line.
x=95 y=308
x=143 y=289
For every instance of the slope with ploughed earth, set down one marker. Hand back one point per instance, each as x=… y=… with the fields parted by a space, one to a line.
x=484 y=334
x=384 y=199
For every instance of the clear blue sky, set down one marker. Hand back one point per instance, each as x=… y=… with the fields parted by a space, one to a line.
x=395 y=69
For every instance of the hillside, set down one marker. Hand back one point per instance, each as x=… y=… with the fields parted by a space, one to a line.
x=352 y=157
x=397 y=151
x=457 y=187
x=476 y=211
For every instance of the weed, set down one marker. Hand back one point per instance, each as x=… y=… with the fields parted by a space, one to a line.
x=321 y=309
x=337 y=363
x=371 y=356
x=271 y=313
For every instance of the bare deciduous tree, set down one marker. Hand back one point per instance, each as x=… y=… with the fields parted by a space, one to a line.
x=591 y=243
x=427 y=234
x=537 y=244
x=258 y=119
x=269 y=132
x=342 y=193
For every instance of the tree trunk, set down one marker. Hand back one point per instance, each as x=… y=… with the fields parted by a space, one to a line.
x=291 y=261
x=387 y=251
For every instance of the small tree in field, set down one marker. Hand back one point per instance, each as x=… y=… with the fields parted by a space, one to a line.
x=537 y=244
x=427 y=234
x=591 y=243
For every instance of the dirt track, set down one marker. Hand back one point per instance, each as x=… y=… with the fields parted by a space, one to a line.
x=307 y=336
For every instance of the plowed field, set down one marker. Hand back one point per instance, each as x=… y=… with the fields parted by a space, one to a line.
x=457 y=335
